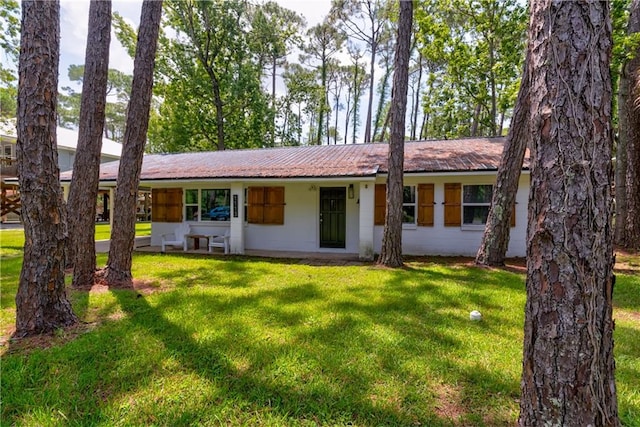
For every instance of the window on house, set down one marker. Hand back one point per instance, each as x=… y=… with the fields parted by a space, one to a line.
x=191 y=205
x=215 y=205
x=207 y=204
x=476 y=200
x=7 y=151
x=409 y=204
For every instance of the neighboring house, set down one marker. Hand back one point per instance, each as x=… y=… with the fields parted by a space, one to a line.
x=67 y=144
x=67 y=141
x=330 y=198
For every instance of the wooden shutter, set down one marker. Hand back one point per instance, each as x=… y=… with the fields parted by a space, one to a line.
x=255 y=205
x=425 y=204
x=273 y=205
x=452 y=205
x=380 y=202
x=265 y=205
x=166 y=205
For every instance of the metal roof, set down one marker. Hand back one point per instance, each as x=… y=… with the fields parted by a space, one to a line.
x=325 y=161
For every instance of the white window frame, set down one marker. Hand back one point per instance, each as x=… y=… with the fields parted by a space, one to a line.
x=198 y=205
x=464 y=204
x=414 y=204
x=12 y=151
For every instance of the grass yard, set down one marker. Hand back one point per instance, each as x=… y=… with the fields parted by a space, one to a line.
x=242 y=341
x=103 y=231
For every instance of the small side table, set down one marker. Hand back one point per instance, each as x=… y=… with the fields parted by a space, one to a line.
x=196 y=240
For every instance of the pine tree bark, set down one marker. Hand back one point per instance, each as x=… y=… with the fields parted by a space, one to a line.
x=118 y=269
x=41 y=302
x=391 y=253
x=631 y=235
x=495 y=240
x=568 y=365
x=83 y=192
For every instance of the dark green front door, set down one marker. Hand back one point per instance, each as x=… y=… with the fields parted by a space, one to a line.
x=333 y=217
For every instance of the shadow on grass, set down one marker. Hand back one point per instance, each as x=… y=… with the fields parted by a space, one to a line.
x=209 y=361
x=626 y=292
x=351 y=366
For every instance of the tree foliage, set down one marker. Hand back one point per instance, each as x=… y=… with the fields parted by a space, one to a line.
x=324 y=41
x=118 y=89
x=474 y=51
x=364 y=21
x=9 y=44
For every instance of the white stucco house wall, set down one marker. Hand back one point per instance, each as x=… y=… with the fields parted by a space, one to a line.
x=329 y=198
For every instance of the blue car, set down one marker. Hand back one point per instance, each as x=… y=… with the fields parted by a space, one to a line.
x=221 y=213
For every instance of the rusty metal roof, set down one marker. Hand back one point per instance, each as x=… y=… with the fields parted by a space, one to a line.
x=325 y=161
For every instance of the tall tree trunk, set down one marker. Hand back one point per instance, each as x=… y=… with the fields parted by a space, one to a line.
x=335 y=122
x=83 y=192
x=274 y=66
x=568 y=365
x=494 y=96
x=323 y=100
x=391 y=253
x=217 y=101
x=299 y=124
x=118 y=270
x=425 y=123
x=416 y=106
x=385 y=125
x=367 y=128
x=476 y=120
x=621 y=158
x=356 y=103
x=381 y=101
x=631 y=233
x=41 y=301
x=628 y=126
x=347 y=117
x=495 y=240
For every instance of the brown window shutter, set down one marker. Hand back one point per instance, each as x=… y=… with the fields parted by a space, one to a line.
x=274 y=205
x=380 y=202
x=158 y=205
x=513 y=215
x=174 y=205
x=255 y=205
x=425 y=204
x=166 y=205
x=452 y=205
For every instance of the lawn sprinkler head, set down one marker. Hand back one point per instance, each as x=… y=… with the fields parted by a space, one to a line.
x=475 y=315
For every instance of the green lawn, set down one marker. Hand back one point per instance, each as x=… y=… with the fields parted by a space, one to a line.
x=242 y=341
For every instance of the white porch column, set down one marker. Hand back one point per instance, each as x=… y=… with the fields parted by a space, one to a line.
x=236 y=241
x=367 y=206
x=65 y=192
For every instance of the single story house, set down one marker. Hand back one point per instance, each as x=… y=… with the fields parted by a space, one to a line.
x=330 y=198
